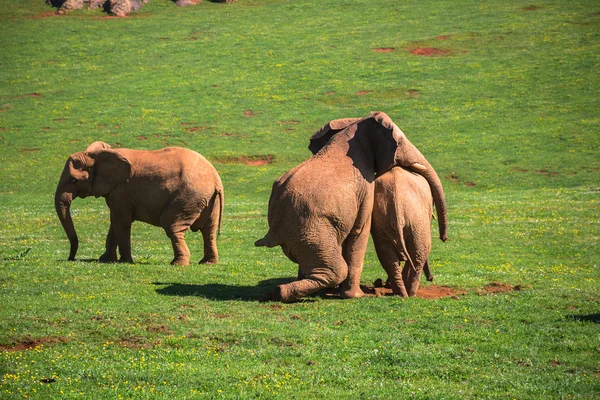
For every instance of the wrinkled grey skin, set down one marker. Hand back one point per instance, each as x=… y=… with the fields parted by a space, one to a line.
x=402 y=212
x=320 y=211
x=174 y=188
x=116 y=7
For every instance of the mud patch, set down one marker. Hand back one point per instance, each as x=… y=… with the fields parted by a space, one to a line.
x=158 y=329
x=443 y=37
x=546 y=173
x=29 y=343
x=498 y=287
x=384 y=49
x=363 y=92
x=249 y=113
x=134 y=342
x=47 y=14
x=430 y=52
x=531 y=8
x=425 y=291
x=192 y=129
x=454 y=178
x=141 y=137
x=254 y=161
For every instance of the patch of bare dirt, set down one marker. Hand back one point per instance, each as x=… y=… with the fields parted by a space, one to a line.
x=249 y=113
x=290 y=122
x=547 y=173
x=158 y=329
x=29 y=149
x=454 y=178
x=498 y=287
x=412 y=93
x=47 y=14
x=430 y=52
x=531 y=8
x=134 y=342
x=384 y=49
x=443 y=37
x=248 y=160
x=424 y=292
x=141 y=137
x=193 y=129
x=363 y=92
x=29 y=343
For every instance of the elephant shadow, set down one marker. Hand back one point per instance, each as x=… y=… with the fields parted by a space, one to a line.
x=595 y=318
x=223 y=292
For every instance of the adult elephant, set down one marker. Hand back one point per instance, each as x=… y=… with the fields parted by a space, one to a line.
x=401 y=219
x=174 y=188
x=320 y=211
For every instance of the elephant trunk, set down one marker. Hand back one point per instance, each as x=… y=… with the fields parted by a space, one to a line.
x=65 y=193
x=420 y=165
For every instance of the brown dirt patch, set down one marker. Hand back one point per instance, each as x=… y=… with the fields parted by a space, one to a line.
x=363 y=92
x=248 y=160
x=454 y=178
x=430 y=52
x=498 y=287
x=531 y=8
x=29 y=149
x=47 y=14
x=547 y=173
x=249 y=113
x=290 y=122
x=193 y=129
x=158 y=329
x=384 y=49
x=141 y=137
x=425 y=291
x=443 y=37
x=412 y=93
x=134 y=342
x=29 y=343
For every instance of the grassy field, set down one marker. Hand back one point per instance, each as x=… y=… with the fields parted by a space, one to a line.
x=507 y=110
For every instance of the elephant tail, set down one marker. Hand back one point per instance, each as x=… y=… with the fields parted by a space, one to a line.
x=427 y=271
x=221 y=207
x=400 y=245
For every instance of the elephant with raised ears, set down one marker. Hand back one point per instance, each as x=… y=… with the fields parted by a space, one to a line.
x=401 y=220
x=174 y=188
x=320 y=211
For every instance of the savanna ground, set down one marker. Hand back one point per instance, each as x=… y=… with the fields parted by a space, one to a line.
x=502 y=97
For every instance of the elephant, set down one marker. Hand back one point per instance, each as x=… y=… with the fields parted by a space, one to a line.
x=174 y=188
x=320 y=211
x=401 y=219
x=401 y=228
x=117 y=7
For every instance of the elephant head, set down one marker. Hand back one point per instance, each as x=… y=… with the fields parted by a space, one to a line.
x=95 y=171
x=406 y=154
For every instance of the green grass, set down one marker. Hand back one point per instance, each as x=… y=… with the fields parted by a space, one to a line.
x=509 y=119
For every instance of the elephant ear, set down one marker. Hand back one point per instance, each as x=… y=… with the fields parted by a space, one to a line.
x=110 y=169
x=384 y=120
x=97 y=146
x=320 y=138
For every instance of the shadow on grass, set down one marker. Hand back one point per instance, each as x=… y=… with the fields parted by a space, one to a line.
x=595 y=318
x=218 y=291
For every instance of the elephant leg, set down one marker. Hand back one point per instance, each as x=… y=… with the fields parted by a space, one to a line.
x=110 y=254
x=353 y=251
x=122 y=234
x=209 y=236
x=391 y=263
x=328 y=273
x=181 y=252
x=418 y=247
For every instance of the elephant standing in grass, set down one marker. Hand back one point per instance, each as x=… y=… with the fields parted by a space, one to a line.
x=320 y=211
x=401 y=220
x=174 y=188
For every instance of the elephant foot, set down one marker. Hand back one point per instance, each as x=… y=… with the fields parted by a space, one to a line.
x=181 y=261
x=209 y=260
x=126 y=260
x=284 y=294
x=106 y=258
x=353 y=293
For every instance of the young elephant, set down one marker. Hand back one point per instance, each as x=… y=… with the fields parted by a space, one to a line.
x=401 y=220
x=401 y=228
x=320 y=211
x=173 y=188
